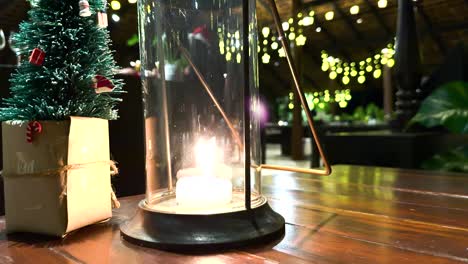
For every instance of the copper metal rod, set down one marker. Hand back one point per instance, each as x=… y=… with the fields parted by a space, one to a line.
x=292 y=68
x=213 y=98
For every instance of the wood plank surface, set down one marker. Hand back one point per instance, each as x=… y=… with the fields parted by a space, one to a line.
x=356 y=215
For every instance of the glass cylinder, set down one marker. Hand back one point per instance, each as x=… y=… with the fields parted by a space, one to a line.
x=198 y=83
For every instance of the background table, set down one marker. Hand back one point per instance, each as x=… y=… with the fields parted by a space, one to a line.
x=356 y=215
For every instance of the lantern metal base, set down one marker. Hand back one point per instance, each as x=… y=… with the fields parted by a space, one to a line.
x=203 y=233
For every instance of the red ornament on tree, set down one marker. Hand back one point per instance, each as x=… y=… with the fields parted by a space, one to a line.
x=102 y=84
x=84 y=8
x=102 y=19
x=37 y=57
x=201 y=33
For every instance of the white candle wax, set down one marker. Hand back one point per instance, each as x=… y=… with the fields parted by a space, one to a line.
x=203 y=191
x=209 y=183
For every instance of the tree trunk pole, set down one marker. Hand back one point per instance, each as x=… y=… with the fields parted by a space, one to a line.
x=387 y=92
x=408 y=65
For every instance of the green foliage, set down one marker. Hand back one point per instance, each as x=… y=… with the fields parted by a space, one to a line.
x=76 y=51
x=133 y=40
x=364 y=114
x=447 y=106
x=454 y=160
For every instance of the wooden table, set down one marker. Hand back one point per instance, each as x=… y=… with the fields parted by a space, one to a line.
x=356 y=215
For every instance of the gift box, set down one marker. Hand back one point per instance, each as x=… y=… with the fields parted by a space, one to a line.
x=37 y=57
x=60 y=181
x=102 y=19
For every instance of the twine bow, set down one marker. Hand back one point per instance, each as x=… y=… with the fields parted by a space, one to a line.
x=61 y=171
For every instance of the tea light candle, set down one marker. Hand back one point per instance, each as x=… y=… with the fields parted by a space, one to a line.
x=203 y=191
x=209 y=183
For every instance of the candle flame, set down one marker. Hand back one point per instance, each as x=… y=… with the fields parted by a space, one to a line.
x=207 y=155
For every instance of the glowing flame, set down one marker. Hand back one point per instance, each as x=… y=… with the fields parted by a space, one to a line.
x=207 y=155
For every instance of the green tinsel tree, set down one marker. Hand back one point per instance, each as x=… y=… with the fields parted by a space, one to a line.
x=76 y=51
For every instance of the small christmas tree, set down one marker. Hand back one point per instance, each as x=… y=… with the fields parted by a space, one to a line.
x=67 y=68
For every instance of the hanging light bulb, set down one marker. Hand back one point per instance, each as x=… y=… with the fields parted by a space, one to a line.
x=307 y=21
x=228 y=56
x=361 y=79
x=325 y=66
x=333 y=75
x=265 y=32
x=285 y=26
x=115 y=17
x=301 y=40
x=274 y=45
x=115 y=5
x=329 y=15
x=382 y=3
x=354 y=10
x=281 y=52
x=391 y=63
x=377 y=73
x=266 y=58
x=345 y=80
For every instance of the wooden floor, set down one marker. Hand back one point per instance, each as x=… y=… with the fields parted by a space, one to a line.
x=356 y=215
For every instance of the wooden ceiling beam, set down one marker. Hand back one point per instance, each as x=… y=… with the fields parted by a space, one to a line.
x=312 y=50
x=351 y=44
x=430 y=29
x=335 y=44
x=318 y=23
x=315 y=3
x=310 y=79
x=357 y=35
x=277 y=75
x=379 y=19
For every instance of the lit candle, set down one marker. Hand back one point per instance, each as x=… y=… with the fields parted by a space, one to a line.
x=207 y=185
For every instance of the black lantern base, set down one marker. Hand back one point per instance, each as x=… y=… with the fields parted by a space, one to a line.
x=203 y=233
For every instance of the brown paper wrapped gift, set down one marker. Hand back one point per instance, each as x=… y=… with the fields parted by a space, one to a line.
x=60 y=181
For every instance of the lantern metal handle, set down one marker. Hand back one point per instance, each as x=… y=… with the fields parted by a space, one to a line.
x=327 y=169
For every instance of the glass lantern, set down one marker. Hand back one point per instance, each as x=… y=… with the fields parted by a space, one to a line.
x=202 y=131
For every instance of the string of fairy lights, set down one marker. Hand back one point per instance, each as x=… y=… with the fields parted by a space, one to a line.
x=269 y=47
x=345 y=71
x=337 y=68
